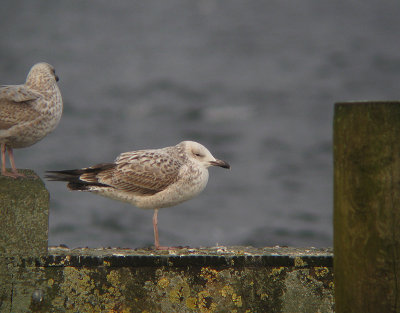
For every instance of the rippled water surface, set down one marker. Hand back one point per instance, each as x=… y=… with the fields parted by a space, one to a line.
x=254 y=81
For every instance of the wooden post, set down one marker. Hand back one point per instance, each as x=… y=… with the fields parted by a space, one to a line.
x=367 y=206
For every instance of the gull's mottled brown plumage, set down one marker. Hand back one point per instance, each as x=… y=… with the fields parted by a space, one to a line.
x=146 y=172
x=28 y=112
x=148 y=179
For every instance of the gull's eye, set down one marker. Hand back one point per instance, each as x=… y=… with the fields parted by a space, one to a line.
x=198 y=154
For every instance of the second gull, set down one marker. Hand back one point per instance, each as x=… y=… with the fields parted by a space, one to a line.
x=148 y=179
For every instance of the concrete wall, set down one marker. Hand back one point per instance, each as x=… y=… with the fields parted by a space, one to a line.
x=219 y=279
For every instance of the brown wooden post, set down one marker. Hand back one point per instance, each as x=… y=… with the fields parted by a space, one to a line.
x=367 y=206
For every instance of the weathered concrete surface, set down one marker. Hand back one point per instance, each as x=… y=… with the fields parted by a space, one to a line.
x=220 y=279
x=24 y=211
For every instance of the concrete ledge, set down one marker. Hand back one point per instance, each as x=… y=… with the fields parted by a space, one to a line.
x=217 y=256
x=220 y=279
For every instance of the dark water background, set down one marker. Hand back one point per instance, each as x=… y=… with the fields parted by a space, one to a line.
x=254 y=81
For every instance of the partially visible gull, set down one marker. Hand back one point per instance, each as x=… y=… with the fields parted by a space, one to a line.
x=28 y=112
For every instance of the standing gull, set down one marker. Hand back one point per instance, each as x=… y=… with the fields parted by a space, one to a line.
x=28 y=112
x=148 y=179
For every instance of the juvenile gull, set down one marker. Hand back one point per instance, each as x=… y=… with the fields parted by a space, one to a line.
x=148 y=179
x=28 y=112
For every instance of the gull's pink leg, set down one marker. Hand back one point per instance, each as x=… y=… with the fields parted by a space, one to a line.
x=3 y=159
x=155 y=228
x=4 y=171
x=14 y=169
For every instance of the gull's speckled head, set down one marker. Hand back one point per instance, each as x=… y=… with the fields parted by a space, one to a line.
x=198 y=153
x=41 y=72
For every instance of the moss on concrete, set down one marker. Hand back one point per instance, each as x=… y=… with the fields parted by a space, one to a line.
x=5 y=285
x=24 y=211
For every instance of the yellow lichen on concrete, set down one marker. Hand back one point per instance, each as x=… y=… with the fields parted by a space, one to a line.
x=226 y=291
x=277 y=270
x=116 y=287
x=172 y=292
x=205 y=302
x=163 y=282
x=237 y=300
x=209 y=274
x=299 y=262
x=175 y=292
x=83 y=293
x=179 y=293
x=191 y=303
x=203 y=289
x=321 y=271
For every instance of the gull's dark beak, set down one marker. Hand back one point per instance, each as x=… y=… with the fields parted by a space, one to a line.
x=220 y=163
x=56 y=77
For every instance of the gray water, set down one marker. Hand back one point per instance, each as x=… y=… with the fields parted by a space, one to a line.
x=254 y=81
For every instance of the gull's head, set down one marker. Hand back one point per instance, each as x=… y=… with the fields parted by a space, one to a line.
x=200 y=154
x=41 y=73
